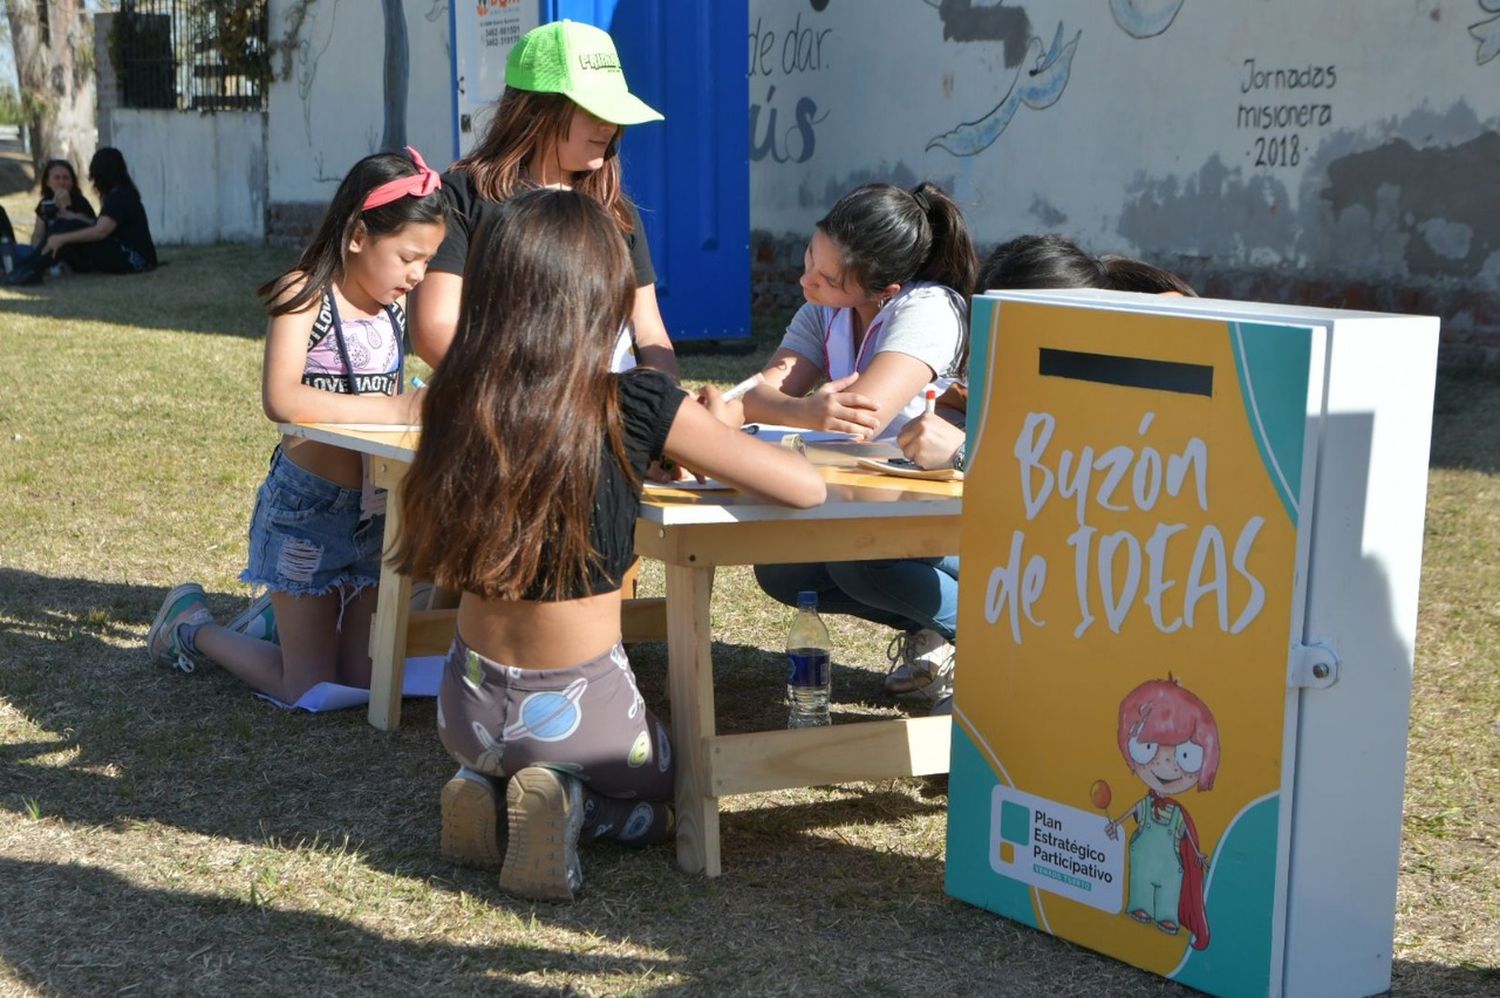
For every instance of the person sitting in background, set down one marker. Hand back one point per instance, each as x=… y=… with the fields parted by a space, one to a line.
x=937 y=440
x=1126 y=274
x=1029 y=263
x=119 y=240
x=63 y=207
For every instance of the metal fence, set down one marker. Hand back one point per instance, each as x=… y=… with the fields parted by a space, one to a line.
x=192 y=55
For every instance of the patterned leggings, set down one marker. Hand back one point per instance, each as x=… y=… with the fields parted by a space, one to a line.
x=587 y=720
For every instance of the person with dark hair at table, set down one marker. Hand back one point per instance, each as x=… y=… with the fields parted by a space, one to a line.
x=119 y=240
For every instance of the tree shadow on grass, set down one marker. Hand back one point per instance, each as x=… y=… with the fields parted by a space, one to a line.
x=199 y=752
x=1418 y=977
x=750 y=687
x=1465 y=412
x=97 y=932
x=199 y=289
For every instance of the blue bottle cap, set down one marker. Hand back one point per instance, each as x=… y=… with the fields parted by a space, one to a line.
x=807 y=599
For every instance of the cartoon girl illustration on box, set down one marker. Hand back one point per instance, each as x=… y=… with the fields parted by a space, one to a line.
x=1170 y=741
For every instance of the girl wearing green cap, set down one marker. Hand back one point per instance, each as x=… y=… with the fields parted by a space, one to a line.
x=558 y=124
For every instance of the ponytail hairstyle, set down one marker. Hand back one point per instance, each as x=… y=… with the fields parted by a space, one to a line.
x=107 y=171
x=1127 y=274
x=323 y=259
x=892 y=236
x=527 y=124
x=500 y=496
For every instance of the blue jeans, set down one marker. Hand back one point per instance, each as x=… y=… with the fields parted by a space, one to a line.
x=907 y=593
x=307 y=537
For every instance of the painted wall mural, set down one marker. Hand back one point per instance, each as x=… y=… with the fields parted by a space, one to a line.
x=782 y=50
x=1037 y=86
x=365 y=77
x=1041 y=71
x=1487 y=32
x=1144 y=18
x=1217 y=140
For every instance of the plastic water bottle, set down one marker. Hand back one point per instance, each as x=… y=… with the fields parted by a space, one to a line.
x=807 y=666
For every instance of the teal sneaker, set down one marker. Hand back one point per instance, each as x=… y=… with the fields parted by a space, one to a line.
x=184 y=605
x=258 y=620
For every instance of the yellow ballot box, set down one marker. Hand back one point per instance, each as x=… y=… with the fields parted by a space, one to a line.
x=1190 y=553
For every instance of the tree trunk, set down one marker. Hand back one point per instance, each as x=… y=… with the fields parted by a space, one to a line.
x=397 y=73
x=54 y=49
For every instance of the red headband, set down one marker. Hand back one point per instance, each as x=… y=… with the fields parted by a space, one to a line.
x=419 y=184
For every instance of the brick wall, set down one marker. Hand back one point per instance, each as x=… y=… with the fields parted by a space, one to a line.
x=292 y=223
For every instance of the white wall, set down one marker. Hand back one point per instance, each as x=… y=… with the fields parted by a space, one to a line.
x=330 y=113
x=202 y=177
x=1132 y=137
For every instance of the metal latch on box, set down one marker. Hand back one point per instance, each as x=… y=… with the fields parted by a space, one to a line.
x=1314 y=666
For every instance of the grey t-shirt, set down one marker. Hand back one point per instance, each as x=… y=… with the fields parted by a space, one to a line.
x=925 y=321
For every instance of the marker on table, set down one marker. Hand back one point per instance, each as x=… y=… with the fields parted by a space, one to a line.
x=742 y=388
x=931 y=401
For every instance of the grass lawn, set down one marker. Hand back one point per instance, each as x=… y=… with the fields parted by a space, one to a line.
x=162 y=833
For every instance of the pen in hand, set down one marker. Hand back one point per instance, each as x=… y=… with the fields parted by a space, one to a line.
x=931 y=401
x=741 y=389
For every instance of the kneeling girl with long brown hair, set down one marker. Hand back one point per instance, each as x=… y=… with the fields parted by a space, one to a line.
x=523 y=495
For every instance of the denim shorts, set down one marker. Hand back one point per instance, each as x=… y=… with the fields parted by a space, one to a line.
x=306 y=536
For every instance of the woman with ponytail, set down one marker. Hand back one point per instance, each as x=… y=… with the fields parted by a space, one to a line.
x=886 y=275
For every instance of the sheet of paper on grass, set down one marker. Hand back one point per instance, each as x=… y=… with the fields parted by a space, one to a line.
x=421 y=680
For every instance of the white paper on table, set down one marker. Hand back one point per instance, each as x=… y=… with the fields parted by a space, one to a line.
x=772 y=433
x=422 y=677
x=691 y=484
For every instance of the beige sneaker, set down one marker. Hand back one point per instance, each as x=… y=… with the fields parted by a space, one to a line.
x=544 y=813
x=921 y=665
x=472 y=812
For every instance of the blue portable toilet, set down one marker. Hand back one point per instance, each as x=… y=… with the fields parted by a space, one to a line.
x=689 y=175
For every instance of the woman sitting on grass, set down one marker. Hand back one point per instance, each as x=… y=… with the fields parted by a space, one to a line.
x=333 y=354
x=117 y=242
x=523 y=496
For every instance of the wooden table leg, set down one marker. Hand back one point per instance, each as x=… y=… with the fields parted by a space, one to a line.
x=691 y=684
x=388 y=632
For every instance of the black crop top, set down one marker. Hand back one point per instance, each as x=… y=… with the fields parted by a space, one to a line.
x=648 y=403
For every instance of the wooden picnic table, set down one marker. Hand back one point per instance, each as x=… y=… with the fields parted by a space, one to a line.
x=867 y=516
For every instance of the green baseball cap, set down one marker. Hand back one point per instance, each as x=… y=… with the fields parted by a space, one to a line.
x=578 y=61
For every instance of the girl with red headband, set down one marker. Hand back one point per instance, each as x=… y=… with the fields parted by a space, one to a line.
x=333 y=354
